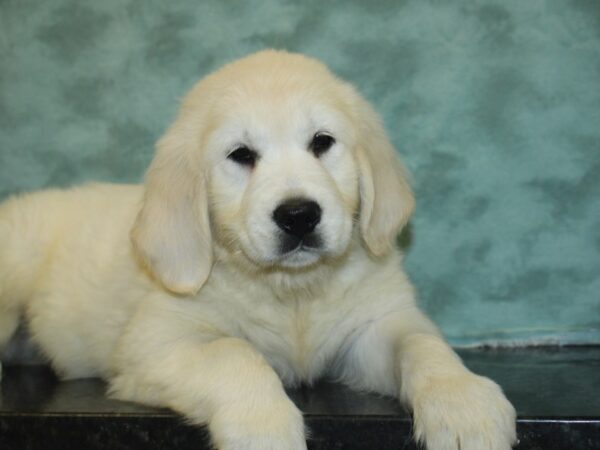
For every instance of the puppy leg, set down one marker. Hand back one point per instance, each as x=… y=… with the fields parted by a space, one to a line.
x=454 y=409
x=224 y=383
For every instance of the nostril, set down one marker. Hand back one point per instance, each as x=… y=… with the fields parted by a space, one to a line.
x=297 y=216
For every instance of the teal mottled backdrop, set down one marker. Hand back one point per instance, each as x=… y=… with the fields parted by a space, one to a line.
x=494 y=106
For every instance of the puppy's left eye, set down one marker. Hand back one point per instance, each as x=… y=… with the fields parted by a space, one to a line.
x=320 y=143
x=243 y=156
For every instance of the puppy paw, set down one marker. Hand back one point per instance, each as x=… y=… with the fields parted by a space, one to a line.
x=463 y=412
x=278 y=426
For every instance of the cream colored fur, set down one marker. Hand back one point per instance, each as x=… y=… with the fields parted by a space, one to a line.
x=202 y=314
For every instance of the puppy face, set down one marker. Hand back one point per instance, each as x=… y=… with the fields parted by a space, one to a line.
x=275 y=160
x=283 y=181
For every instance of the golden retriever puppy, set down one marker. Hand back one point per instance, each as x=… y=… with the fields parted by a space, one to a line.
x=259 y=253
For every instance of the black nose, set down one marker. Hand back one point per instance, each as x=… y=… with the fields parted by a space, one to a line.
x=297 y=216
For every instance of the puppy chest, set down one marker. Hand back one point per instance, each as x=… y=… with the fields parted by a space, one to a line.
x=297 y=343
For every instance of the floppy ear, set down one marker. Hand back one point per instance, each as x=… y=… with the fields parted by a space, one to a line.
x=386 y=198
x=171 y=234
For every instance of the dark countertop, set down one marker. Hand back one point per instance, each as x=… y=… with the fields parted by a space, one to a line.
x=556 y=392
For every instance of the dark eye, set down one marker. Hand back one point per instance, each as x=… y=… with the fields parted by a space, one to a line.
x=243 y=156
x=320 y=143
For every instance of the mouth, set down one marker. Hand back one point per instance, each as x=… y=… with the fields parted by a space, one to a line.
x=300 y=257
x=298 y=252
x=293 y=244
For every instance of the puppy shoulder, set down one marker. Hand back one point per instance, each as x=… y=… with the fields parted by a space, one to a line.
x=376 y=280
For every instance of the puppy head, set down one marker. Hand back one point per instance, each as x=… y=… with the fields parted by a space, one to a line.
x=271 y=158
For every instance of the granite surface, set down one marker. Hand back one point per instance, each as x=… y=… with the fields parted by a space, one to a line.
x=493 y=104
x=555 y=391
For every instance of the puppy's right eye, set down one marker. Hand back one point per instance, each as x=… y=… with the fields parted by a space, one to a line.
x=321 y=143
x=243 y=156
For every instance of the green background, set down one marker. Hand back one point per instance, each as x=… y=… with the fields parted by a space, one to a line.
x=494 y=107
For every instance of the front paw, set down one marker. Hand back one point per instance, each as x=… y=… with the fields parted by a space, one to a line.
x=276 y=426
x=463 y=412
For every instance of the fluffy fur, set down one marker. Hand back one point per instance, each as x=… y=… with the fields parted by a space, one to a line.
x=178 y=293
